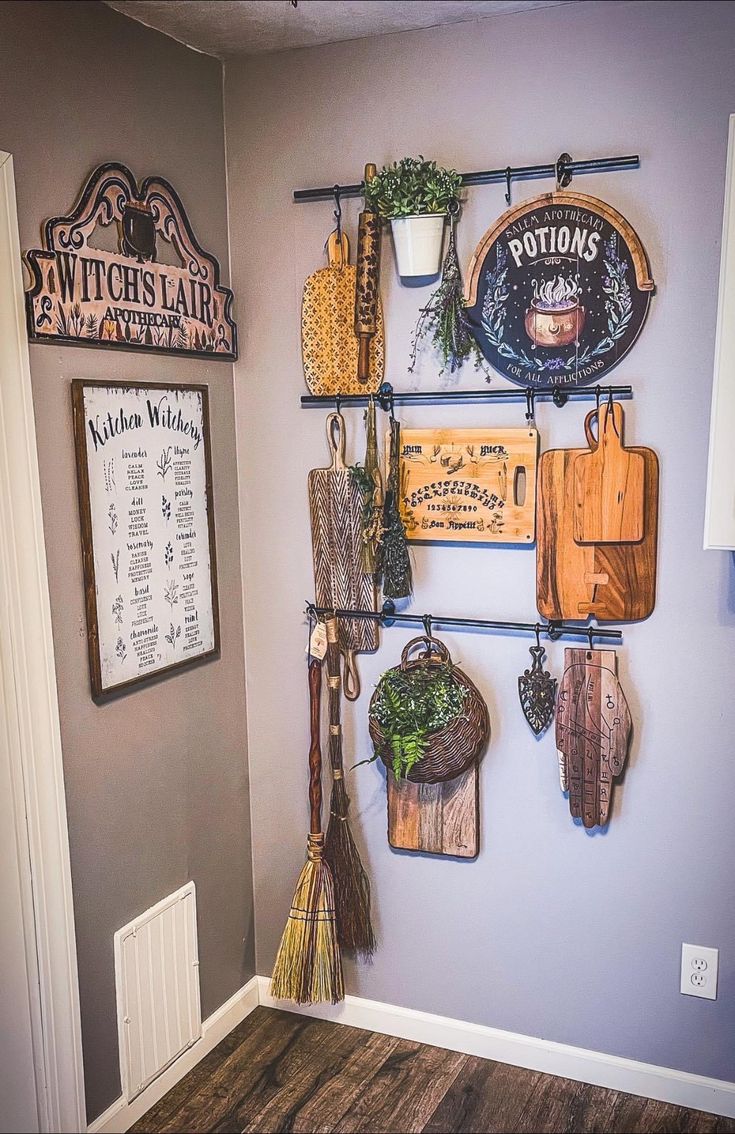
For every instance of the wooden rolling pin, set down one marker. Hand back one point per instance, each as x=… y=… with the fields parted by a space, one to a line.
x=368 y=281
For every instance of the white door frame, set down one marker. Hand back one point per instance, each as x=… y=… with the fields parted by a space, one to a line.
x=28 y=699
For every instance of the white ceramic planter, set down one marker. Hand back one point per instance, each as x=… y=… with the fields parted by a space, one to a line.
x=418 y=243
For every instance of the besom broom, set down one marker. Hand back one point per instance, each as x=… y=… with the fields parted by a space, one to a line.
x=351 y=883
x=308 y=967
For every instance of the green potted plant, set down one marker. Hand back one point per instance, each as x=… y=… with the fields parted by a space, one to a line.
x=415 y=195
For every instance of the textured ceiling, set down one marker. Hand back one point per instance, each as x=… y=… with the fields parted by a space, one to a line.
x=249 y=27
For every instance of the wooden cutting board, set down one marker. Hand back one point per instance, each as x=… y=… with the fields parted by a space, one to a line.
x=436 y=818
x=593 y=727
x=612 y=582
x=329 y=344
x=469 y=485
x=608 y=485
x=335 y=507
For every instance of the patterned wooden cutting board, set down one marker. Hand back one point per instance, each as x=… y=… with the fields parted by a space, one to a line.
x=329 y=344
x=335 y=505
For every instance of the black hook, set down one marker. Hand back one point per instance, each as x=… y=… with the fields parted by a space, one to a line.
x=507 y=185
x=338 y=212
x=598 y=395
x=530 y=404
x=563 y=173
x=537 y=630
x=427 y=625
x=337 y=401
x=609 y=399
x=590 y=634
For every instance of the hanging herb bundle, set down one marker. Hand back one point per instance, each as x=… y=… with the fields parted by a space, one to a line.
x=410 y=704
x=370 y=483
x=394 y=566
x=444 y=319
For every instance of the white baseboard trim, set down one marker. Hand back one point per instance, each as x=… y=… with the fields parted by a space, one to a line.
x=634 y=1078
x=663 y=1083
x=121 y=1115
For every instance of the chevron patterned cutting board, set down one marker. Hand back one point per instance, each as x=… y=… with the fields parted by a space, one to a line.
x=335 y=506
x=329 y=345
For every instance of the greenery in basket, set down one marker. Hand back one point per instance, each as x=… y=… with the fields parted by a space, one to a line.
x=413 y=187
x=412 y=703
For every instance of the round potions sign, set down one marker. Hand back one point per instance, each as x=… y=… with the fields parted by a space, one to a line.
x=558 y=290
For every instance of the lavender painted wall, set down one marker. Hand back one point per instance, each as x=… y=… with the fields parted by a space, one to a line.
x=156 y=780
x=551 y=932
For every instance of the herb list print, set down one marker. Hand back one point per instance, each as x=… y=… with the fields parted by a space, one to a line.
x=144 y=472
x=558 y=291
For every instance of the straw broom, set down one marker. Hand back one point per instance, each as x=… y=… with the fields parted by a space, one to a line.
x=351 y=884
x=308 y=967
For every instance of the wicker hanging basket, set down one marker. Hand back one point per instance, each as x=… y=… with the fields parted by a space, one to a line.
x=453 y=748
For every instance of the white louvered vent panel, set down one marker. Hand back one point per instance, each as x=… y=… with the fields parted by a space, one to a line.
x=157 y=979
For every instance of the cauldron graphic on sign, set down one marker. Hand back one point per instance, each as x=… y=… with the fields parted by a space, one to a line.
x=556 y=317
x=558 y=290
x=139 y=232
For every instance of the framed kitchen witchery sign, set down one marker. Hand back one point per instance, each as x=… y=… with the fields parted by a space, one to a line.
x=144 y=474
x=558 y=290
x=156 y=290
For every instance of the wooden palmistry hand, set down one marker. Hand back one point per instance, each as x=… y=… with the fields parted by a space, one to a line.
x=593 y=727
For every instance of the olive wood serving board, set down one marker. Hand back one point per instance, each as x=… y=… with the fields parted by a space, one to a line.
x=329 y=345
x=474 y=485
x=335 y=506
x=612 y=582
x=609 y=485
x=593 y=727
x=436 y=818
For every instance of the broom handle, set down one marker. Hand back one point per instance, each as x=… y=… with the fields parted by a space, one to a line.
x=334 y=683
x=315 y=751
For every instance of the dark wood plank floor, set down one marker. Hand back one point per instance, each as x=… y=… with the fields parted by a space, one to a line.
x=281 y=1072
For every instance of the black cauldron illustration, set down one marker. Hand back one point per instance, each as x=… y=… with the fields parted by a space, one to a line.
x=139 y=233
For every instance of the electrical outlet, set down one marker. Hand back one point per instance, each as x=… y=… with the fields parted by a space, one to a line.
x=699 y=971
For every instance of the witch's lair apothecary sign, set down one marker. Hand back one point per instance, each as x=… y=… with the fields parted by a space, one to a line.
x=145 y=499
x=558 y=290
x=130 y=298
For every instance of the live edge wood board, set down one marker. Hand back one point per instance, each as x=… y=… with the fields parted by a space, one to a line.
x=144 y=475
x=436 y=818
x=136 y=297
x=469 y=485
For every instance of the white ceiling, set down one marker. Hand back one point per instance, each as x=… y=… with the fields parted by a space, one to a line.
x=250 y=27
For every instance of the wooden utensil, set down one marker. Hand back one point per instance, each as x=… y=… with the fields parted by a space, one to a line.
x=367 y=301
x=436 y=818
x=329 y=346
x=474 y=485
x=335 y=505
x=593 y=726
x=613 y=582
x=609 y=502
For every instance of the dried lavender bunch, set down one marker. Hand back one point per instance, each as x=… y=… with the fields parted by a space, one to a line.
x=444 y=319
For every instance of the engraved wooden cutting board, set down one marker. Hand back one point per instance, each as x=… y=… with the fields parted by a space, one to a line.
x=335 y=506
x=329 y=344
x=613 y=582
x=474 y=485
x=593 y=727
x=436 y=818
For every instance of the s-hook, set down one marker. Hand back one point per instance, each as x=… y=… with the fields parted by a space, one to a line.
x=530 y=406
x=507 y=185
x=337 y=213
x=590 y=635
x=563 y=173
x=426 y=619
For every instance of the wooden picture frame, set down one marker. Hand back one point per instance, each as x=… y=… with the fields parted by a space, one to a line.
x=719 y=519
x=121 y=514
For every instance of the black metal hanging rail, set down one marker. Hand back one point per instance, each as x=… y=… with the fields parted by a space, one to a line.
x=563 y=169
x=386 y=395
x=389 y=615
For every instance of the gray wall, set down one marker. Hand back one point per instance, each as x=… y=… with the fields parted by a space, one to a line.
x=156 y=780
x=551 y=932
